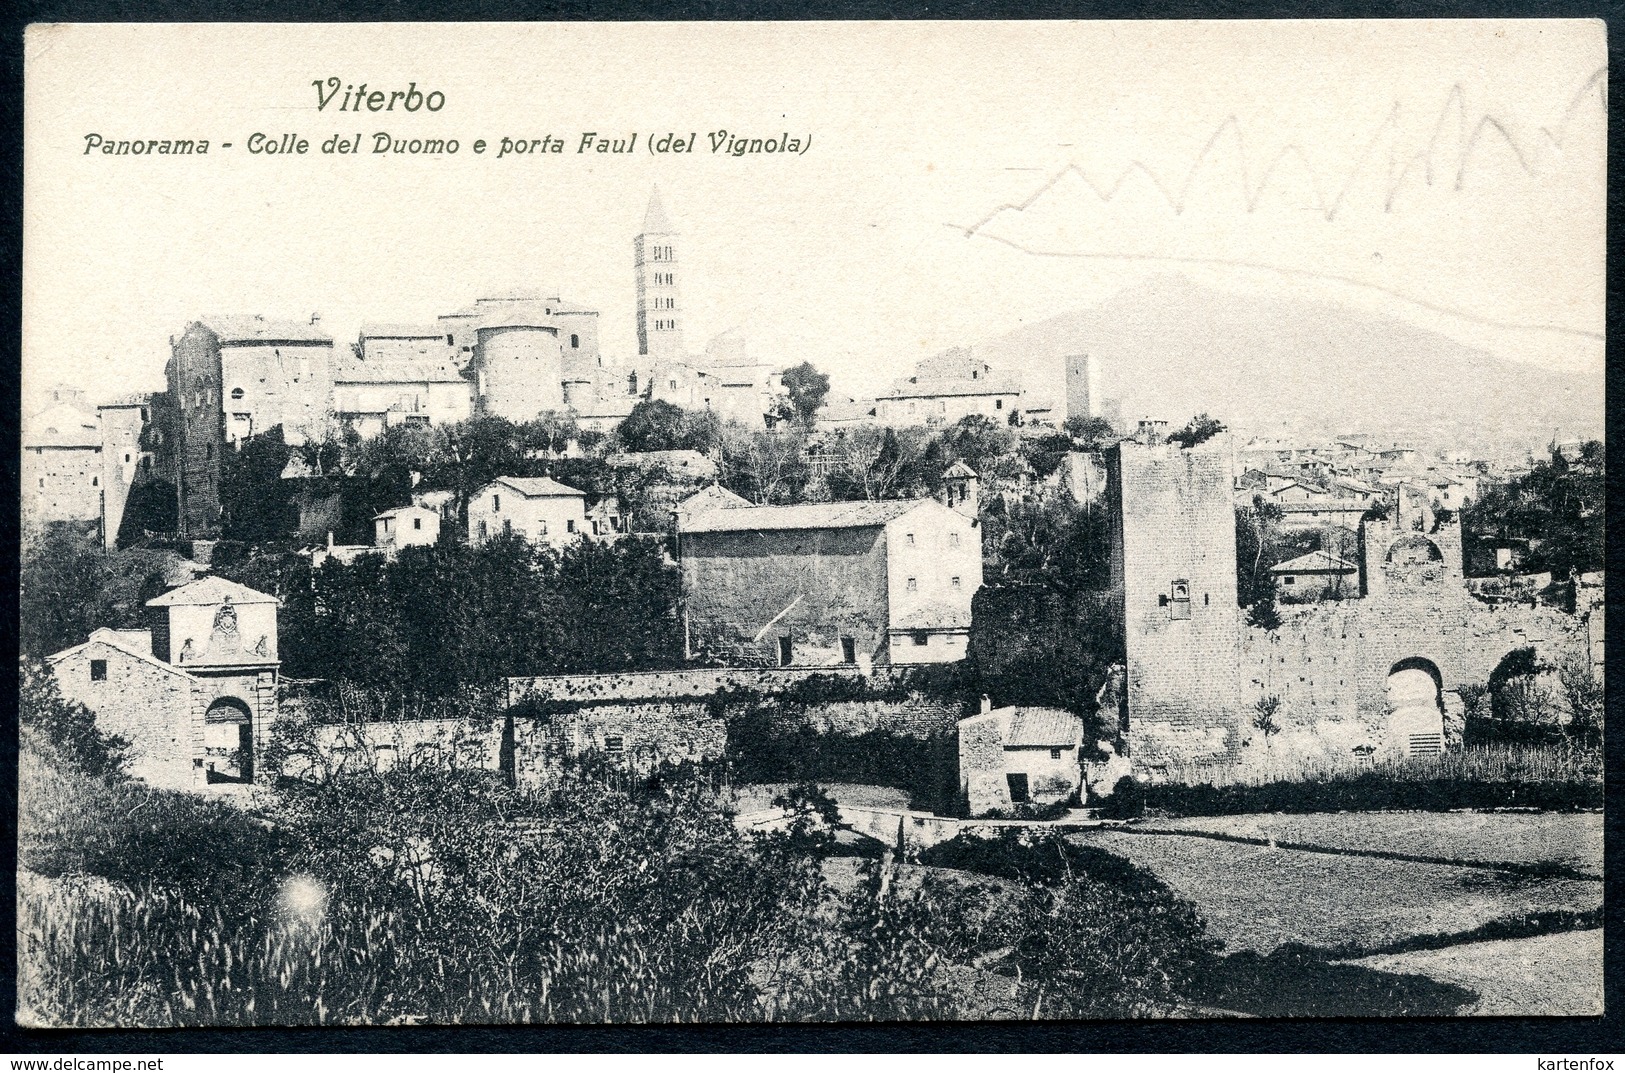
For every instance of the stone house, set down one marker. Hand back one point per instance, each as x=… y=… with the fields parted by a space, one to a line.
x=406 y=527
x=1319 y=575
x=1019 y=756
x=711 y=497
x=540 y=509
x=62 y=465
x=829 y=583
x=125 y=424
x=195 y=695
x=946 y=388
x=235 y=377
x=398 y=375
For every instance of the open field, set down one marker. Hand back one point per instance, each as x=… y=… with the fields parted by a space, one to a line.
x=1571 y=840
x=1259 y=898
x=1545 y=975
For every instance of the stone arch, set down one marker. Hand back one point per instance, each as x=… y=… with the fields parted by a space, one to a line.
x=1415 y=703
x=228 y=740
x=1413 y=549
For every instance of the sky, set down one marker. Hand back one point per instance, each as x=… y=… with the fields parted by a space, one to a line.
x=962 y=179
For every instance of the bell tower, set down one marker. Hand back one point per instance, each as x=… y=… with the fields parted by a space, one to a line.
x=660 y=313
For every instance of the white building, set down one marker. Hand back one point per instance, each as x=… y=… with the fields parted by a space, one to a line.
x=405 y=527
x=540 y=509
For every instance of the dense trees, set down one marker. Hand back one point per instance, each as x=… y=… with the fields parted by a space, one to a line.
x=438 y=618
x=1045 y=629
x=1558 y=508
x=68 y=587
x=656 y=425
x=1198 y=429
x=808 y=388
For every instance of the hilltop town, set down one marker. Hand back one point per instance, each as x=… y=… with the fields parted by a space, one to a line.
x=482 y=546
x=819 y=533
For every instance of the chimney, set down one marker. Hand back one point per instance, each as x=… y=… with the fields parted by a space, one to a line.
x=987 y=704
x=315 y=318
x=330 y=540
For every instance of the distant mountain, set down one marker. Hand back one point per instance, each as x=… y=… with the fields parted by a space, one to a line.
x=1171 y=348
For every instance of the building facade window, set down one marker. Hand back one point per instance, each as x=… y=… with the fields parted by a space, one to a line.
x=921 y=637
x=786 y=650
x=912 y=585
x=955 y=582
x=496 y=502
x=236 y=392
x=98 y=670
x=614 y=743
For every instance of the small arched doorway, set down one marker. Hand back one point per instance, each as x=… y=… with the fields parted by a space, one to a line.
x=1414 y=694
x=228 y=741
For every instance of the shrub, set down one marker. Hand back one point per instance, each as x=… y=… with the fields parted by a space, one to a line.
x=1099 y=936
x=1127 y=800
x=65 y=727
x=71 y=823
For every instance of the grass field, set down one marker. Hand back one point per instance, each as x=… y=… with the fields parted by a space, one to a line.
x=1573 y=840
x=1258 y=898
x=1546 y=975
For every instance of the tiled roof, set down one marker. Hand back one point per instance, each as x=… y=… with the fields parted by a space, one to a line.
x=1316 y=562
x=244 y=328
x=395 y=512
x=537 y=487
x=959 y=469
x=711 y=497
x=211 y=590
x=124 y=642
x=1043 y=727
x=845 y=515
x=133 y=398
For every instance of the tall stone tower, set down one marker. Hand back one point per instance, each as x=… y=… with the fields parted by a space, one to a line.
x=1083 y=397
x=660 y=314
x=1174 y=572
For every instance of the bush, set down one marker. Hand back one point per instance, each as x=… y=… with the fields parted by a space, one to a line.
x=1098 y=936
x=763 y=750
x=66 y=728
x=1126 y=801
x=72 y=823
x=1373 y=792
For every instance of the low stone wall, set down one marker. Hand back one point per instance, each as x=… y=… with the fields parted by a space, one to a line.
x=667 y=685
x=459 y=744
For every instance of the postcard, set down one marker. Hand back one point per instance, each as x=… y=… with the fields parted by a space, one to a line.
x=776 y=522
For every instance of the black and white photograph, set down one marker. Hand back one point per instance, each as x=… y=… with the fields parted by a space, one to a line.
x=777 y=522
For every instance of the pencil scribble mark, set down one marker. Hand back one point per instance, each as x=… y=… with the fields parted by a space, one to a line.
x=1285 y=270
x=1399 y=169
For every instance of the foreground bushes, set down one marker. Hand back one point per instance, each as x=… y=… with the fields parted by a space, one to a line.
x=1552 y=779
x=419 y=896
